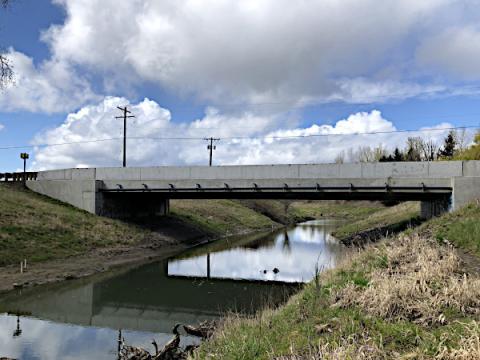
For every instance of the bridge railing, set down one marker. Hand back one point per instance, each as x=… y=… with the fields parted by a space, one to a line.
x=18 y=176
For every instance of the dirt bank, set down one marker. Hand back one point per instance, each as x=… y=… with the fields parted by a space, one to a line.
x=98 y=260
x=171 y=236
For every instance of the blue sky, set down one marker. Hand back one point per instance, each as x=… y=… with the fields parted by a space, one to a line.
x=233 y=69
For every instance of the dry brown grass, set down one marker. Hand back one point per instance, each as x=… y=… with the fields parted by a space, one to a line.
x=419 y=282
x=354 y=347
x=469 y=346
x=405 y=298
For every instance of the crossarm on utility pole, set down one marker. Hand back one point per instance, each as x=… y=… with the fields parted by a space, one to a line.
x=211 y=147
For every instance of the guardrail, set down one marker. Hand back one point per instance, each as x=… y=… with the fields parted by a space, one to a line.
x=18 y=176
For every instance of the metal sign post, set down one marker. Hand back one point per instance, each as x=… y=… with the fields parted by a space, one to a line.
x=24 y=156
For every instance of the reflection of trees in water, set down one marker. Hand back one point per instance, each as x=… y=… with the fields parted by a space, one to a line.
x=267 y=241
x=287 y=248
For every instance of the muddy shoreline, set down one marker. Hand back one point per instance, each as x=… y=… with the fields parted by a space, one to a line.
x=91 y=263
x=102 y=260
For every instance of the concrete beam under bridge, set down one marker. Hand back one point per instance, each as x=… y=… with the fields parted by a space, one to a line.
x=125 y=192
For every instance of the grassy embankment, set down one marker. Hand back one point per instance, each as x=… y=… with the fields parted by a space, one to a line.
x=407 y=297
x=39 y=229
x=461 y=228
x=342 y=210
x=388 y=220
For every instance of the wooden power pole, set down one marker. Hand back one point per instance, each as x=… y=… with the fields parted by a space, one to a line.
x=211 y=147
x=125 y=116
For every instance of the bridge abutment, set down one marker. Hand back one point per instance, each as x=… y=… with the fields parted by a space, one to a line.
x=87 y=195
x=465 y=190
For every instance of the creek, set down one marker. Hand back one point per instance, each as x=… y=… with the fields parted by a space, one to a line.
x=81 y=319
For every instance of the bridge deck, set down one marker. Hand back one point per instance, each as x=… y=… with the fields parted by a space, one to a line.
x=110 y=191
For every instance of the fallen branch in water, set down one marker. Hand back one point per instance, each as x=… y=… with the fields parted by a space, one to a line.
x=172 y=349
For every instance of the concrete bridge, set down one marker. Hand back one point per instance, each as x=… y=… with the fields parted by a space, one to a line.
x=123 y=192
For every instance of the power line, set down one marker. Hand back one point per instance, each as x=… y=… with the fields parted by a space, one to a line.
x=56 y=144
x=351 y=134
x=240 y=137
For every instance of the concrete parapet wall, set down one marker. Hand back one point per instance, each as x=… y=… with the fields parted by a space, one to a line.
x=471 y=168
x=438 y=169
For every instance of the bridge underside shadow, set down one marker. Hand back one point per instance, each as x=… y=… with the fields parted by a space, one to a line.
x=120 y=203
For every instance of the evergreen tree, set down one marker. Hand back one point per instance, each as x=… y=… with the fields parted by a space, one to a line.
x=449 y=145
x=398 y=155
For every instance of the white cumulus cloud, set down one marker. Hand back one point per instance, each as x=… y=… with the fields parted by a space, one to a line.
x=51 y=86
x=246 y=138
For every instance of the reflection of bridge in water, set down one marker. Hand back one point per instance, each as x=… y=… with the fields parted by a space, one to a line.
x=292 y=253
x=154 y=297
x=145 y=299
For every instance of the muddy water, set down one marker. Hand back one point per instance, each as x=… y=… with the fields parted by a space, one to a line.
x=82 y=319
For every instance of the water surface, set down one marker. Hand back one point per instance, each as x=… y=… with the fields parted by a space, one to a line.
x=81 y=319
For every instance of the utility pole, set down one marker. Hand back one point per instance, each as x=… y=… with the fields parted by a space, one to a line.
x=124 y=117
x=211 y=147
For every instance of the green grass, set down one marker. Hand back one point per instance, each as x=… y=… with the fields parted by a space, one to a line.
x=277 y=210
x=310 y=323
x=220 y=217
x=461 y=228
x=390 y=217
x=353 y=210
x=38 y=228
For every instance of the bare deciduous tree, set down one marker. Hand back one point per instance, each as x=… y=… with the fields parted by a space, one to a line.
x=462 y=139
x=429 y=150
x=414 y=149
x=366 y=154
x=340 y=158
x=6 y=70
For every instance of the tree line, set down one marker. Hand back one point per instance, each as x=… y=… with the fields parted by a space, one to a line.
x=454 y=147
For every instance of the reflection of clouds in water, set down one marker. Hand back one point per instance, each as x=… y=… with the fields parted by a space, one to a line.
x=306 y=246
x=46 y=340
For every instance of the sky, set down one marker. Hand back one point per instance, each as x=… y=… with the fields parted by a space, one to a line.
x=277 y=81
